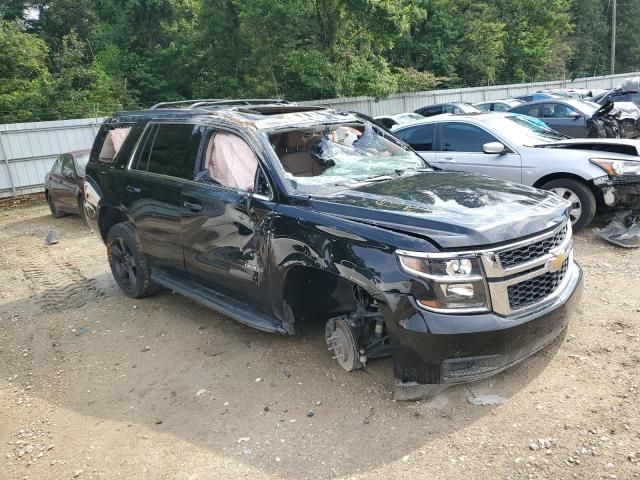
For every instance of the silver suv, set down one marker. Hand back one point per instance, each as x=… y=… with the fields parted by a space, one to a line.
x=587 y=172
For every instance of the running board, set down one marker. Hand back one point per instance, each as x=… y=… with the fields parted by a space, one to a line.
x=219 y=302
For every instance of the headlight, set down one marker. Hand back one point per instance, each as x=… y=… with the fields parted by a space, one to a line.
x=457 y=283
x=617 y=167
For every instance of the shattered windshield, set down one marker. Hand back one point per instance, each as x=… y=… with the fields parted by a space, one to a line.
x=524 y=130
x=323 y=159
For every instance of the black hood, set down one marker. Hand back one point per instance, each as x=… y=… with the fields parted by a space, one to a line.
x=453 y=209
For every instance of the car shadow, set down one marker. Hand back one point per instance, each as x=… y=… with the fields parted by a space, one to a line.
x=276 y=403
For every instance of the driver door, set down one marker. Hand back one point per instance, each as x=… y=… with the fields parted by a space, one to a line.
x=225 y=223
x=460 y=147
x=66 y=189
x=565 y=119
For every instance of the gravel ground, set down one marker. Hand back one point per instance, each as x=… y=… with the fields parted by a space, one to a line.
x=97 y=385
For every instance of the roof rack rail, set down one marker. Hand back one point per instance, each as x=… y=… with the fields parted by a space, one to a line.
x=217 y=102
x=182 y=102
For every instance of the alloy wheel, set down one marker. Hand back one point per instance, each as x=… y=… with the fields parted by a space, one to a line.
x=575 y=211
x=124 y=264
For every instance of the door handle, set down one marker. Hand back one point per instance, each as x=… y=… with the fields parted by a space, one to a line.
x=133 y=189
x=449 y=160
x=194 y=207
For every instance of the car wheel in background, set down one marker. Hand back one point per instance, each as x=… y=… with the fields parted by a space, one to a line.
x=128 y=263
x=52 y=206
x=582 y=199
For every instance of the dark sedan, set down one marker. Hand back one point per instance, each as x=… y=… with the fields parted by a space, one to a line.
x=64 y=184
x=566 y=115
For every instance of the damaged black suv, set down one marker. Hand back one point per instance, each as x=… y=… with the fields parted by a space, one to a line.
x=276 y=214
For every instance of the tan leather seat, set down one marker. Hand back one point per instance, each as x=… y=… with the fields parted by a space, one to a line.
x=296 y=158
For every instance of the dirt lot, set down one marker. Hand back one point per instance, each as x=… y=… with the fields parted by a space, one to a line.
x=97 y=385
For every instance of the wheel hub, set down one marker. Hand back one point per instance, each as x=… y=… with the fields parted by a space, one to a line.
x=341 y=341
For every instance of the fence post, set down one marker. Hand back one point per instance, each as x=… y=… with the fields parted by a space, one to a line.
x=6 y=162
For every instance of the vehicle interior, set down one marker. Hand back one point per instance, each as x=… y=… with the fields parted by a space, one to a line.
x=113 y=142
x=308 y=152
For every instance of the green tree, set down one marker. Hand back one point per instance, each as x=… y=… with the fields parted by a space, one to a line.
x=590 y=38
x=628 y=37
x=532 y=29
x=23 y=74
x=80 y=87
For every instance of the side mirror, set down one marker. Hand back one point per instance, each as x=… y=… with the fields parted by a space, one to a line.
x=494 y=148
x=575 y=115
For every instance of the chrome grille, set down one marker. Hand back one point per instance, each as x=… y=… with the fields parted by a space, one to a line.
x=530 y=292
x=523 y=254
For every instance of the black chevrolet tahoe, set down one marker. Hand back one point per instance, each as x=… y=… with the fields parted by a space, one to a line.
x=276 y=214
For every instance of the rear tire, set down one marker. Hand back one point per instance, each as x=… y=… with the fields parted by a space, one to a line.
x=55 y=211
x=128 y=263
x=583 y=201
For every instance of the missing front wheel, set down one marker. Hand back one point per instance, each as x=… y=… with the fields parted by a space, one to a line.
x=354 y=338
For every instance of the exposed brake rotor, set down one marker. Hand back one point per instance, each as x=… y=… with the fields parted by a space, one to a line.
x=341 y=341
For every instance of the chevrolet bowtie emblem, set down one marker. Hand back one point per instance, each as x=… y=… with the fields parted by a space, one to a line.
x=556 y=262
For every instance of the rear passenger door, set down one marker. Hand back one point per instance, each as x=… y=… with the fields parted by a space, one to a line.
x=226 y=214
x=163 y=162
x=460 y=147
x=421 y=138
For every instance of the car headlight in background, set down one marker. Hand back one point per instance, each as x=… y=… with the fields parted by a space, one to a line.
x=458 y=283
x=617 y=167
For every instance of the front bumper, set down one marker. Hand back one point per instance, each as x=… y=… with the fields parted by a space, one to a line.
x=431 y=349
x=621 y=192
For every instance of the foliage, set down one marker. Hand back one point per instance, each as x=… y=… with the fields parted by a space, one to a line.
x=67 y=58
x=23 y=73
x=412 y=80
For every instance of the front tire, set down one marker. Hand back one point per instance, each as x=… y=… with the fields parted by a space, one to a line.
x=55 y=211
x=582 y=199
x=128 y=263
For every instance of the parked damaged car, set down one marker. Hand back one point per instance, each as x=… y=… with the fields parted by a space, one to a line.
x=627 y=91
x=577 y=118
x=277 y=215
x=64 y=184
x=591 y=174
x=628 y=116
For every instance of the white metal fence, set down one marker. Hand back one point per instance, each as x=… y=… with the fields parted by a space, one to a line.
x=27 y=150
x=408 y=102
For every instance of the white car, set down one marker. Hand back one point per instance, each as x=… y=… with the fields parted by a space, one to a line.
x=499 y=105
x=586 y=172
x=391 y=122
